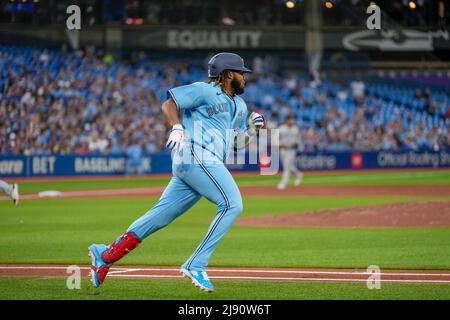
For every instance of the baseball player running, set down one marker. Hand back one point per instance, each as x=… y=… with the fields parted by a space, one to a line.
x=289 y=140
x=11 y=190
x=207 y=119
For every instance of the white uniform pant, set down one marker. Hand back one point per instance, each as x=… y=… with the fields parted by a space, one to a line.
x=7 y=188
x=288 y=157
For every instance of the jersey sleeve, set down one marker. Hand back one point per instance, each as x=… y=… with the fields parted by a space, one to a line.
x=189 y=96
x=244 y=125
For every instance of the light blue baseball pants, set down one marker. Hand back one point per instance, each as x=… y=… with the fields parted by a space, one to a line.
x=192 y=179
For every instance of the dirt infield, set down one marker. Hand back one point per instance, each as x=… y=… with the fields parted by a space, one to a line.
x=405 y=214
x=234 y=273
x=235 y=174
x=267 y=191
x=348 y=191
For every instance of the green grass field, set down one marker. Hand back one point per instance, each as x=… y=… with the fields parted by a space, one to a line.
x=441 y=177
x=51 y=231
x=167 y=289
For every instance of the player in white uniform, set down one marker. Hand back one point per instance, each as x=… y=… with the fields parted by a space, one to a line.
x=289 y=141
x=12 y=190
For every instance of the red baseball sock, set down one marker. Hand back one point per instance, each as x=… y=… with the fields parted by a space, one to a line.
x=119 y=248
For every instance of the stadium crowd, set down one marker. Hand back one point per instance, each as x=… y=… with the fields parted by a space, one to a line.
x=59 y=101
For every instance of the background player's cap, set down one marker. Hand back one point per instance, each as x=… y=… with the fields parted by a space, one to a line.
x=225 y=61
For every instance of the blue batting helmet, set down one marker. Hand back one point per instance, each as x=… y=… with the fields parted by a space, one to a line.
x=225 y=61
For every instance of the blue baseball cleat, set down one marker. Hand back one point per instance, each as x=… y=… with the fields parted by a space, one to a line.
x=199 y=279
x=99 y=268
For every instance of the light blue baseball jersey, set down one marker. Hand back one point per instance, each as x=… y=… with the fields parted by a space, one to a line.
x=210 y=116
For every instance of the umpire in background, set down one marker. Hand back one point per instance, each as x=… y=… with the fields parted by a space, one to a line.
x=289 y=142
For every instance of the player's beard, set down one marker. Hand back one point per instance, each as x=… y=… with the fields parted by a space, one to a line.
x=237 y=87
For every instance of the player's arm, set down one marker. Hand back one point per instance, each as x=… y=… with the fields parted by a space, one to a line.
x=170 y=111
x=242 y=139
x=297 y=138
x=181 y=98
x=281 y=144
x=282 y=137
x=176 y=137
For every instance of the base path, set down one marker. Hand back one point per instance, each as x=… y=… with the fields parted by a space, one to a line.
x=235 y=273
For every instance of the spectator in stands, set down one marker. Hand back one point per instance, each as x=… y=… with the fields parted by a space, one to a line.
x=429 y=104
x=358 y=89
x=82 y=148
x=97 y=144
x=431 y=139
x=258 y=65
x=389 y=143
x=311 y=140
x=63 y=102
x=134 y=162
x=408 y=145
x=421 y=140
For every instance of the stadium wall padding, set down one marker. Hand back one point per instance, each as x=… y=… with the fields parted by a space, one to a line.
x=75 y=165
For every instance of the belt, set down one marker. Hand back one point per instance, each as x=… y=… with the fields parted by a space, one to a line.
x=203 y=147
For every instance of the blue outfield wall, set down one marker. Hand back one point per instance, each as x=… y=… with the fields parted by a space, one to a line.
x=74 y=165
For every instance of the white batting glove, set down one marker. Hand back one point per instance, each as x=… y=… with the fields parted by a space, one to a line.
x=176 y=138
x=256 y=121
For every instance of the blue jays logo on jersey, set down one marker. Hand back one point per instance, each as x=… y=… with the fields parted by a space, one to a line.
x=217 y=108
